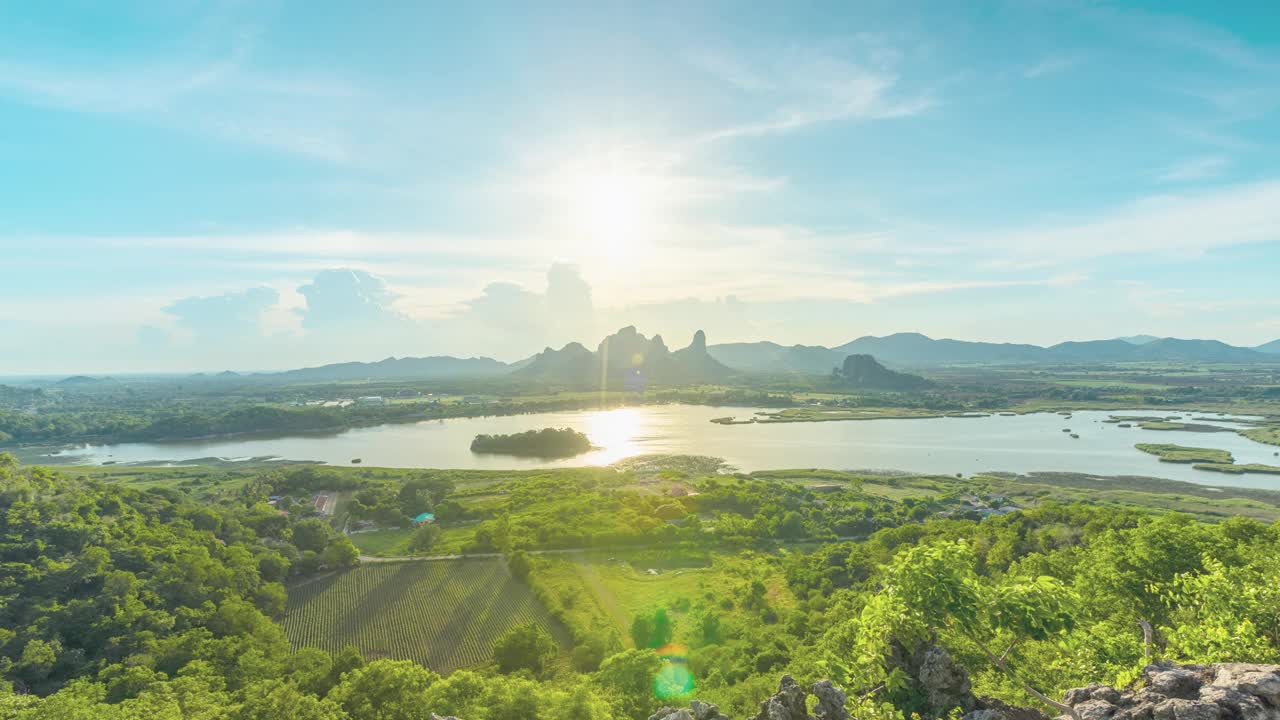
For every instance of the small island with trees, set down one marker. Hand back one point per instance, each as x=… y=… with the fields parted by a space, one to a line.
x=544 y=443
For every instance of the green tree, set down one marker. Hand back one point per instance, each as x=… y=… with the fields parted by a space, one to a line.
x=934 y=590
x=525 y=647
x=520 y=565
x=652 y=630
x=424 y=537
x=341 y=553
x=385 y=690
x=276 y=699
x=629 y=676
x=311 y=534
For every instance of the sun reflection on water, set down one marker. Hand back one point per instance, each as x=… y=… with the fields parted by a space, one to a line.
x=616 y=433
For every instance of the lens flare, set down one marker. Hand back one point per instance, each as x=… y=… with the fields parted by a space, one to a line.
x=674 y=680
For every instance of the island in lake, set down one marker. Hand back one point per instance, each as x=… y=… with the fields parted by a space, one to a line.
x=544 y=443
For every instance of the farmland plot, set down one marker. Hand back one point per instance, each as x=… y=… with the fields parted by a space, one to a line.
x=445 y=615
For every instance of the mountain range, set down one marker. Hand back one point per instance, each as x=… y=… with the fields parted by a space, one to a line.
x=629 y=357
x=916 y=350
x=423 y=368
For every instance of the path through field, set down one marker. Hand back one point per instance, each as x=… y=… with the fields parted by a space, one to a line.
x=607 y=600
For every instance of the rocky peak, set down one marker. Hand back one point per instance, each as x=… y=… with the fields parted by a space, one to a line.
x=699 y=343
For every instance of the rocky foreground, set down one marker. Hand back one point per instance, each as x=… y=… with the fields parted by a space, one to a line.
x=1229 y=691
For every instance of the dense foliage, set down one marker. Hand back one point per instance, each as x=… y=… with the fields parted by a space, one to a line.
x=124 y=602
x=544 y=443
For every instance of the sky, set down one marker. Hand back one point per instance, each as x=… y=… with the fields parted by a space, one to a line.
x=259 y=185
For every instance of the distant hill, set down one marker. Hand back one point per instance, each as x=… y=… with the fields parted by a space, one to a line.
x=1139 y=339
x=1093 y=351
x=1174 y=349
x=768 y=357
x=863 y=372
x=85 y=381
x=569 y=364
x=398 y=368
x=627 y=359
x=916 y=350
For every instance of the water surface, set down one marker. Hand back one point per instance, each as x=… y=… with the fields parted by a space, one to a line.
x=1022 y=443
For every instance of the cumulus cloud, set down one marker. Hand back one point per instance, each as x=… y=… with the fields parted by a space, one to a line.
x=230 y=315
x=343 y=299
x=512 y=316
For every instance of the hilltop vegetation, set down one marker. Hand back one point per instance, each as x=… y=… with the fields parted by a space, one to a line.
x=130 y=598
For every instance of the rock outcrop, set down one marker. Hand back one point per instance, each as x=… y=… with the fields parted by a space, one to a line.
x=1227 y=691
x=863 y=371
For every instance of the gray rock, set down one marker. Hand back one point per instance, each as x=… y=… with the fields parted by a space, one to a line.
x=705 y=711
x=1238 y=704
x=1095 y=710
x=1260 y=680
x=1136 y=712
x=1093 y=692
x=787 y=704
x=1176 y=683
x=831 y=701
x=946 y=685
x=1182 y=709
x=984 y=714
x=1147 y=696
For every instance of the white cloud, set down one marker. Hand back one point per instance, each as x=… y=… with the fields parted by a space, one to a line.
x=1197 y=168
x=1176 y=225
x=802 y=87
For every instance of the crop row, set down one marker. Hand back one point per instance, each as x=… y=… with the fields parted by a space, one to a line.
x=445 y=615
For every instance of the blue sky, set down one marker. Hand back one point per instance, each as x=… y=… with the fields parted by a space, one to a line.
x=256 y=185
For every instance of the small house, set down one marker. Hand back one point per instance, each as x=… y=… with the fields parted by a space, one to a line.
x=425 y=518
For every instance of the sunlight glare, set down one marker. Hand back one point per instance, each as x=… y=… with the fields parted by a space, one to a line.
x=615 y=431
x=613 y=207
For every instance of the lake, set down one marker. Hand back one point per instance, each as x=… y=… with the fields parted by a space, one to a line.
x=1022 y=443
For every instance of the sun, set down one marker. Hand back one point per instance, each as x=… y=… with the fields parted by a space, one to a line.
x=615 y=213
x=613 y=210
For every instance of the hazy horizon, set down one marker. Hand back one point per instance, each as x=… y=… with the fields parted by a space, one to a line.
x=267 y=187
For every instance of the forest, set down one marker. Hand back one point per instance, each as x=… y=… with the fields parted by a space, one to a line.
x=126 y=597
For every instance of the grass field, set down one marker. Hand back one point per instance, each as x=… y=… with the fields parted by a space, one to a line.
x=394 y=542
x=445 y=615
x=612 y=591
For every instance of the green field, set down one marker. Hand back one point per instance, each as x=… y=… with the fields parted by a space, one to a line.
x=445 y=615
x=394 y=542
